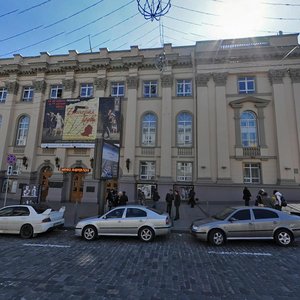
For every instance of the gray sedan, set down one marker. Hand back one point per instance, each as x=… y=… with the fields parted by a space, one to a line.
x=235 y=223
x=130 y=220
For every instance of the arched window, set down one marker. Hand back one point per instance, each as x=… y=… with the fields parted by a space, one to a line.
x=22 y=131
x=249 y=129
x=149 y=124
x=184 y=130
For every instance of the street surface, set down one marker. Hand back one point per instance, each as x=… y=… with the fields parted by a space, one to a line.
x=58 y=265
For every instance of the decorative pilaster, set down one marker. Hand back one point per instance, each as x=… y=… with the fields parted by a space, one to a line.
x=276 y=76
x=132 y=82
x=100 y=83
x=220 y=78
x=261 y=122
x=69 y=85
x=166 y=81
x=237 y=124
x=12 y=87
x=202 y=79
x=40 y=86
x=295 y=75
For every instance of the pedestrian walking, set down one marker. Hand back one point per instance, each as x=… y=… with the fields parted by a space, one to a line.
x=177 y=201
x=246 y=196
x=192 y=197
x=259 y=199
x=123 y=198
x=278 y=202
x=110 y=199
x=155 y=197
x=169 y=200
x=141 y=197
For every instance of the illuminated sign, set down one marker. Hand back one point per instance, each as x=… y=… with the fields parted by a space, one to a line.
x=75 y=170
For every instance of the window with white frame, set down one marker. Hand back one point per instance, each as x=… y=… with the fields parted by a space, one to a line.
x=22 y=131
x=184 y=130
x=27 y=93
x=149 y=123
x=184 y=171
x=184 y=87
x=56 y=91
x=248 y=126
x=150 y=89
x=252 y=173
x=3 y=95
x=246 y=85
x=117 y=89
x=147 y=170
x=86 y=90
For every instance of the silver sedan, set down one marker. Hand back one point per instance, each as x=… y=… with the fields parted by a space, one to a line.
x=130 y=220
x=236 y=223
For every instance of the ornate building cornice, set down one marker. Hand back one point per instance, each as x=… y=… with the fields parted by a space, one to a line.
x=132 y=82
x=100 y=83
x=220 y=78
x=258 y=102
x=69 y=85
x=295 y=75
x=276 y=76
x=166 y=81
x=40 y=86
x=12 y=87
x=202 y=79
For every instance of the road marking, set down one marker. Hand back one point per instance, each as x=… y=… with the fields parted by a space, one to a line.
x=47 y=245
x=240 y=253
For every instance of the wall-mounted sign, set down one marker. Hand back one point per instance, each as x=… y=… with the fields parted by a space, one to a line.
x=110 y=161
x=75 y=170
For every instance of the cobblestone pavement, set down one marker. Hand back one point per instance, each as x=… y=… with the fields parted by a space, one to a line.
x=58 y=265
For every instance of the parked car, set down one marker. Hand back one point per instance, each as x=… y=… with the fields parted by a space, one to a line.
x=259 y=223
x=29 y=220
x=130 y=220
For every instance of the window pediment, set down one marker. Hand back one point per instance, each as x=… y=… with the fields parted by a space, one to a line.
x=257 y=101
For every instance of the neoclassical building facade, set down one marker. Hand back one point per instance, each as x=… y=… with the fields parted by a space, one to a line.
x=217 y=116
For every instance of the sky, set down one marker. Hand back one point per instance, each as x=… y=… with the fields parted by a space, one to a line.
x=28 y=27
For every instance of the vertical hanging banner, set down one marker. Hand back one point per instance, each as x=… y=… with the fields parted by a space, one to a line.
x=110 y=119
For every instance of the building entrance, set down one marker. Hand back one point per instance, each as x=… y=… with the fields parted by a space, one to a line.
x=77 y=187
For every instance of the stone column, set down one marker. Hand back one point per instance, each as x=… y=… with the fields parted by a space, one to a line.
x=237 y=124
x=285 y=161
x=203 y=129
x=166 y=129
x=69 y=87
x=130 y=123
x=223 y=166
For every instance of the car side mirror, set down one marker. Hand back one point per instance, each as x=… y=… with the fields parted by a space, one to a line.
x=232 y=219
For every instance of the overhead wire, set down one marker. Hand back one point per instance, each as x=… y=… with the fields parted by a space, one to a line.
x=34 y=6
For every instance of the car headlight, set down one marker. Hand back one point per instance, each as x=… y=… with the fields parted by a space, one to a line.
x=195 y=227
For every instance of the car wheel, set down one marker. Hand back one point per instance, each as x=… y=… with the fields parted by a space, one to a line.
x=283 y=237
x=26 y=231
x=217 y=237
x=89 y=233
x=146 y=234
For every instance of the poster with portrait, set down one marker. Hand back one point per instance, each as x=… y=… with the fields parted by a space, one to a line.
x=70 y=121
x=147 y=189
x=110 y=161
x=30 y=194
x=110 y=119
x=184 y=190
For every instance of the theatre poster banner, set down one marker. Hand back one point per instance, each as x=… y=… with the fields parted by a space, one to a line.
x=70 y=122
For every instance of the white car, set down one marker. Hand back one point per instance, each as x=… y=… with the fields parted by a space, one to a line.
x=29 y=220
x=129 y=220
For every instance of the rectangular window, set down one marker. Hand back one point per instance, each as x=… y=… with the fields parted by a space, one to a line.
x=117 y=89
x=246 y=85
x=56 y=91
x=252 y=173
x=184 y=171
x=3 y=95
x=86 y=90
x=147 y=170
x=27 y=93
x=184 y=87
x=150 y=89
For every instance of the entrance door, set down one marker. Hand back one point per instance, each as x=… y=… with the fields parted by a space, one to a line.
x=46 y=173
x=77 y=187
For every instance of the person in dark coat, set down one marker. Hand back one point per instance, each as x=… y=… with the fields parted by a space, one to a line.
x=177 y=201
x=123 y=199
x=192 y=197
x=155 y=197
x=246 y=196
x=110 y=199
x=169 y=200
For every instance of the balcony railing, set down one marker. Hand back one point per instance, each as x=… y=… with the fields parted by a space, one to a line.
x=251 y=151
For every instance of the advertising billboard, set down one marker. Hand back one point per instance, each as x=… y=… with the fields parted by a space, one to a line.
x=110 y=161
x=69 y=122
x=110 y=119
